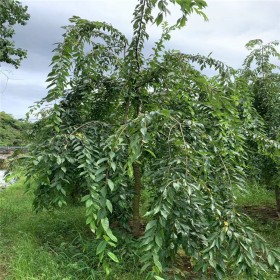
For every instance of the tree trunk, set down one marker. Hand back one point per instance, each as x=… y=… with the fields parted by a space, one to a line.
x=136 y=200
x=277 y=196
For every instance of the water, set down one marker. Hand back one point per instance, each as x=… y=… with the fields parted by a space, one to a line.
x=2 y=182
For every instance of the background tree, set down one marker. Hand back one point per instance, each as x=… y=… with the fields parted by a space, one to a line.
x=263 y=77
x=12 y=12
x=127 y=124
x=12 y=131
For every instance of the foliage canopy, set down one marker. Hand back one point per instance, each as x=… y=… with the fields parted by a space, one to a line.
x=263 y=78
x=12 y=12
x=126 y=124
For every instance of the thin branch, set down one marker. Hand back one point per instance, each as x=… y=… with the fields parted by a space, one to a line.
x=88 y=123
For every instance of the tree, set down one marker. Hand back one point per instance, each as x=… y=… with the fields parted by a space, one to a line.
x=125 y=124
x=263 y=77
x=12 y=131
x=12 y=12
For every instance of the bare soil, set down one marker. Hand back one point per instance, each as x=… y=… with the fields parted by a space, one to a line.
x=264 y=213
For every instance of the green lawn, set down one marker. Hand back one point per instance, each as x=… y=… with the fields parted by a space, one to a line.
x=58 y=245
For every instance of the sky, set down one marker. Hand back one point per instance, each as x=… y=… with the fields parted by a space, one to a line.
x=232 y=23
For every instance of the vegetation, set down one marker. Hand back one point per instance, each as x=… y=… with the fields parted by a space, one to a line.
x=12 y=131
x=126 y=125
x=12 y=12
x=154 y=152
x=263 y=77
x=58 y=245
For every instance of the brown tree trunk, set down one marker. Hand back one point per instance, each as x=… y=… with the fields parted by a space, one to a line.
x=277 y=196
x=136 y=200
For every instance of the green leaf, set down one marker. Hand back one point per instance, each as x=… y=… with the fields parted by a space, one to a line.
x=113 y=257
x=101 y=160
x=113 y=166
x=99 y=177
x=271 y=260
x=143 y=131
x=108 y=269
x=89 y=219
x=149 y=151
x=110 y=184
x=144 y=267
x=89 y=202
x=101 y=247
x=151 y=224
x=111 y=235
x=161 y=5
x=158 y=240
x=105 y=224
x=100 y=170
x=63 y=191
x=157 y=262
x=103 y=191
x=109 y=205
x=84 y=198
x=182 y=22
x=159 y=19
x=158 y=277
x=111 y=155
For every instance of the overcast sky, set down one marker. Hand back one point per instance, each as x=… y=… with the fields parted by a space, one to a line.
x=232 y=23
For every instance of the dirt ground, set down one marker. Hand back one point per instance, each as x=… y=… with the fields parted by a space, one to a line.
x=264 y=213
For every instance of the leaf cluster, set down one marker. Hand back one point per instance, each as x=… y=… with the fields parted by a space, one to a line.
x=117 y=109
x=12 y=13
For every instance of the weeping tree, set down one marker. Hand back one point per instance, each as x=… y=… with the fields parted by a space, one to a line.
x=263 y=78
x=126 y=124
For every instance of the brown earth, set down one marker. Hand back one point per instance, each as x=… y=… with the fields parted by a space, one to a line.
x=265 y=213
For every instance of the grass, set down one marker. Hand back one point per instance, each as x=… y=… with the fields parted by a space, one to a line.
x=48 y=245
x=58 y=245
x=262 y=206
x=256 y=195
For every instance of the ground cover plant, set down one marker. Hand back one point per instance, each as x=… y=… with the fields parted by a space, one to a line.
x=152 y=148
x=54 y=245
x=58 y=245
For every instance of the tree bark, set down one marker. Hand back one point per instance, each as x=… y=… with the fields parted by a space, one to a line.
x=136 y=200
x=277 y=196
